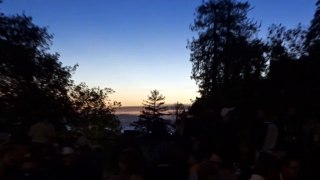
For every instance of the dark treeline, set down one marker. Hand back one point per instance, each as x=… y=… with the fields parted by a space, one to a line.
x=233 y=66
x=257 y=117
x=43 y=113
x=34 y=85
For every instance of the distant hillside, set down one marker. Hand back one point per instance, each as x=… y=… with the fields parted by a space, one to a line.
x=136 y=110
x=129 y=114
x=129 y=110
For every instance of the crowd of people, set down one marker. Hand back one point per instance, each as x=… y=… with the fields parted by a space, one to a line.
x=47 y=156
x=229 y=144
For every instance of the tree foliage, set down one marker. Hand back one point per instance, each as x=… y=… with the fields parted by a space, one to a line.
x=286 y=62
x=233 y=67
x=151 y=117
x=294 y=62
x=35 y=85
x=313 y=36
x=179 y=111
x=94 y=111
x=285 y=44
x=225 y=52
x=33 y=81
x=312 y=46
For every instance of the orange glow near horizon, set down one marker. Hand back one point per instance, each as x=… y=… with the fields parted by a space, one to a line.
x=135 y=97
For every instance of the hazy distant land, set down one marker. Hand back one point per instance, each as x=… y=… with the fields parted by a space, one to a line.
x=129 y=114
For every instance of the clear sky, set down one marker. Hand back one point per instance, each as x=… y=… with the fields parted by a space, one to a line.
x=134 y=46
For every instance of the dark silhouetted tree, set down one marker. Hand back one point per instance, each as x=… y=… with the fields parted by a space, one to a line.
x=179 y=111
x=226 y=54
x=151 y=117
x=33 y=82
x=312 y=46
x=94 y=110
x=285 y=54
x=285 y=44
x=313 y=36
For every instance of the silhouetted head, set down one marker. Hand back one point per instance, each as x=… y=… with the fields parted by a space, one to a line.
x=226 y=114
x=290 y=168
x=207 y=171
x=216 y=160
x=68 y=156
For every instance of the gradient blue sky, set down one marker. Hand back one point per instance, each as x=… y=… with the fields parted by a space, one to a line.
x=134 y=46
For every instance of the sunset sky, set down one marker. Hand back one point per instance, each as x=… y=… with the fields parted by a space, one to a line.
x=134 y=46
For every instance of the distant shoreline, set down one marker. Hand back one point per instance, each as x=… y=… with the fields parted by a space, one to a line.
x=127 y=115
x=168 y=105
